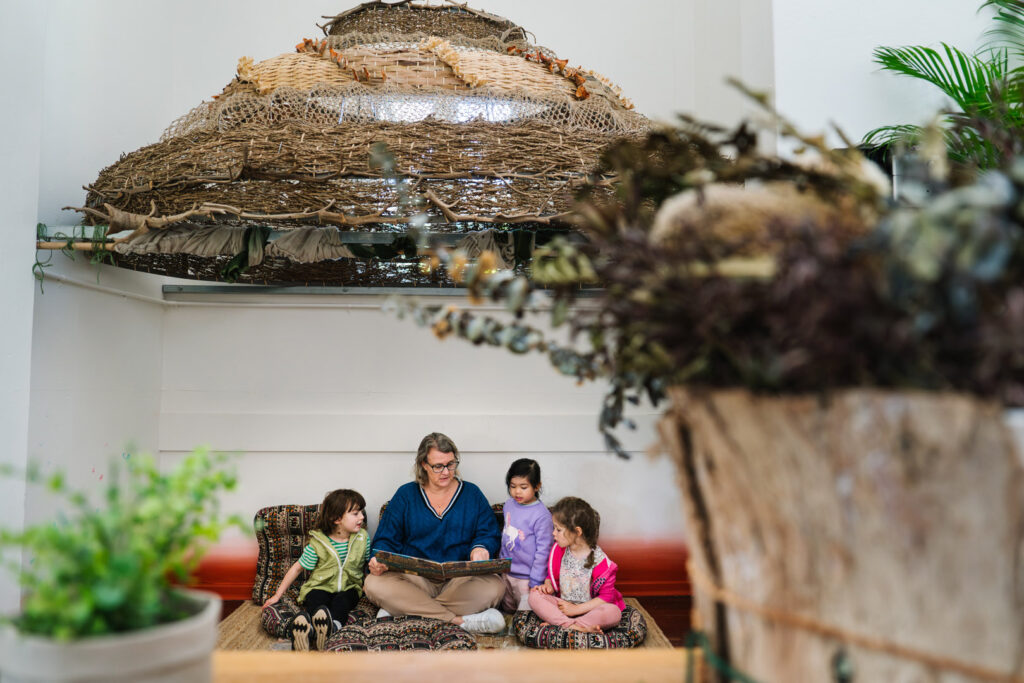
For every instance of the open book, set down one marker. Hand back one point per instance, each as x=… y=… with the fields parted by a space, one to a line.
x=441 y=571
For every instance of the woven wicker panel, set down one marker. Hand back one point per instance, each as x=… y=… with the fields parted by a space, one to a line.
x=444 y=68
x=500 y=73
x=484 y=130
x=304 y=71
x=383 y=40
x=482 y=169
x=409 y=18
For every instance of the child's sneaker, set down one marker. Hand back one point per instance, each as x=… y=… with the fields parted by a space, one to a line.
x=299 y=632
x=323 y=627
x=488 y=621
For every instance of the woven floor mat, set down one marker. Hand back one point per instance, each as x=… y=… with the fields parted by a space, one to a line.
x=241 y=630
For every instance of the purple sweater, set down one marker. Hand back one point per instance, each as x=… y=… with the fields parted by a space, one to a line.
x=526 y=540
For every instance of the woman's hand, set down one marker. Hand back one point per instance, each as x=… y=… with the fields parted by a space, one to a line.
x=271 y=600
x=478 y=554
x=376 y=568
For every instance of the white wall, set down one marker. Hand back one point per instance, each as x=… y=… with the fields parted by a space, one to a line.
x=320 y=398
x=823 y=66
x=96 y=375
x=21 y=28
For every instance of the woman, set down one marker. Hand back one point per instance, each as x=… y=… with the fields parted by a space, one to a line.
x=441 y=518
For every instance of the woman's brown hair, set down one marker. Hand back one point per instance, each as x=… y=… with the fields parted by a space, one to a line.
x=573 y=512
x=335 y=505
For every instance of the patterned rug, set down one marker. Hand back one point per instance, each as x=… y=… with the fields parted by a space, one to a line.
x=241 y=631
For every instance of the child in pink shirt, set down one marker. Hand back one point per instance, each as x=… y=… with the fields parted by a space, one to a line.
x=579 y=592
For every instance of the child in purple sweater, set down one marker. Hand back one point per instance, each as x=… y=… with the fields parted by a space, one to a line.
x=526 y=538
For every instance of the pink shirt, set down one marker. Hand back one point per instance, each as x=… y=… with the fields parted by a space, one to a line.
x=602 y=577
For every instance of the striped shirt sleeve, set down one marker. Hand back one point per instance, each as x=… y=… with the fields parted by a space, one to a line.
x=308 y=559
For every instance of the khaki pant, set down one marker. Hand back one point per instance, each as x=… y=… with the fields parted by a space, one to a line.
x=407 y=594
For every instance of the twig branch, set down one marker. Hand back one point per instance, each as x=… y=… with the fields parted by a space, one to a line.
x=446 y=210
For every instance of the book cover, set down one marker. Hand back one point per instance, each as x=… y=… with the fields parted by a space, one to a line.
x=441 y=571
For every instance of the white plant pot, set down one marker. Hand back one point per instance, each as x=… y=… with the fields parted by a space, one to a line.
x=179 y=652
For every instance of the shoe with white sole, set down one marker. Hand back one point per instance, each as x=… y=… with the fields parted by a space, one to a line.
x=488 y=621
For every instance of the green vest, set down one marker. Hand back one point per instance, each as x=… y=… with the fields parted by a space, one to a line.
x=329 y=574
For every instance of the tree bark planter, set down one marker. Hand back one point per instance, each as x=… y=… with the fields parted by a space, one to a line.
x=178 y=652
x=871 y=528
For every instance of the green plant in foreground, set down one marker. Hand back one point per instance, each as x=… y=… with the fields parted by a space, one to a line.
x=113 y=566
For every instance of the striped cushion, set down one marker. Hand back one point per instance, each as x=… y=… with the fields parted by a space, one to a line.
x=631 y=632
x=401 y=633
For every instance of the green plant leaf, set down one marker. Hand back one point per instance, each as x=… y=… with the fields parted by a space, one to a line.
x=966 y=79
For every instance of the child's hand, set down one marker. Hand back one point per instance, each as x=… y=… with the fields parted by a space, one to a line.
x=376 y=568
x=545 y=587
x=271 y=600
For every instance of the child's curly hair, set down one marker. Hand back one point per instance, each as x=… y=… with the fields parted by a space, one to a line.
x=335 y=505
x=572 y=512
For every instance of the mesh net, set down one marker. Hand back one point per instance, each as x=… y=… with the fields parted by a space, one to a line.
x=356 y=103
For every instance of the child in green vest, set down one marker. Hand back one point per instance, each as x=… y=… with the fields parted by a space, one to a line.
x=336 y=557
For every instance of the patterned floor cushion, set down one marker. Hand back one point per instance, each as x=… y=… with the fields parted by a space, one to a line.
x=281 y=532
x=401 y=633
x=630 y=632
x=276 y=618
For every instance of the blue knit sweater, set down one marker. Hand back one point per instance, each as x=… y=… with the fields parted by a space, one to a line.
x=411 y=527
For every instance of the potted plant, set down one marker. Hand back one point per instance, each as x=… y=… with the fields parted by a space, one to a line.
x=837 y=367
x=102 y=584
x=983 y=89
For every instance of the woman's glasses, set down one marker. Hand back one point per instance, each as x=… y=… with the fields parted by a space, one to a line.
x=450 y=466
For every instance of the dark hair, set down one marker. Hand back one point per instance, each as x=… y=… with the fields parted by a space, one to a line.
x=524 y=467
x=573 y=512
x=335 y=505
x=430 y=441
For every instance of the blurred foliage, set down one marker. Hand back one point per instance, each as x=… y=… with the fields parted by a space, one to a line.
x=113 y=568
x=928 y=294
x=984 y=87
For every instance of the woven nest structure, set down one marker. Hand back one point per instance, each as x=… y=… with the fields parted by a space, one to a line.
x=280 y=180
